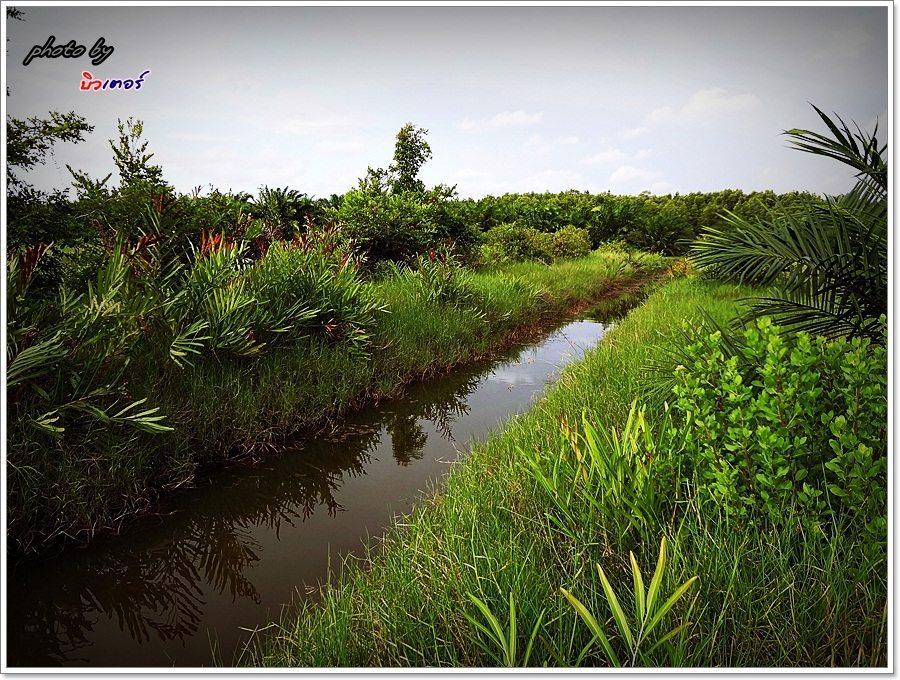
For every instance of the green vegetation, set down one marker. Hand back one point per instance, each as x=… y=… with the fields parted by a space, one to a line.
x=160 y=332
x=757 y=453
x=664 y=224
x=735 y=435
x=160 y=366
x=511 y=243
x=584 y=479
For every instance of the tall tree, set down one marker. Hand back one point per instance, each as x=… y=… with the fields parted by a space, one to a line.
x=411 y=152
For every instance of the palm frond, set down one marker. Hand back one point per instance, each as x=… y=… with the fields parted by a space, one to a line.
x=828 y=259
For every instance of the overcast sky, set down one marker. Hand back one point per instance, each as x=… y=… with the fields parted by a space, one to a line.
x=515 y=98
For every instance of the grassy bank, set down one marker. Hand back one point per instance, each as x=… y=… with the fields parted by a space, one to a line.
x=776 y=594
x=91 y=477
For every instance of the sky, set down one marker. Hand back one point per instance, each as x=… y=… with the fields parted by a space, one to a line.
x=515 y=99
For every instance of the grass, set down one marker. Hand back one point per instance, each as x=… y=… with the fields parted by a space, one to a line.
x=473 y=577
x=63 y=490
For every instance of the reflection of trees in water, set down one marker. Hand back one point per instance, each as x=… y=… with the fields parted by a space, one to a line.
x=155 y=588
x=442 y=408
x=408 y=439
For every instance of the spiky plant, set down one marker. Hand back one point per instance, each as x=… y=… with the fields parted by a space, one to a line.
x=827 y=260
x=284 y=209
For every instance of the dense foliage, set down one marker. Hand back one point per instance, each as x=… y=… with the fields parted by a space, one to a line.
x=664 y=224
x=778 y=427
x=514 y=242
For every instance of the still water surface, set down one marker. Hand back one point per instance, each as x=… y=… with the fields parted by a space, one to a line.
x=227 y=556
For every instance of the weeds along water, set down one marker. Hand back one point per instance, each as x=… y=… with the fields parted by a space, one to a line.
x=222 y=557
x=544 y=515
x=229 y=363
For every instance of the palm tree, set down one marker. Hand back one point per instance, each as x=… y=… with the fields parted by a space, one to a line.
x=827 y=260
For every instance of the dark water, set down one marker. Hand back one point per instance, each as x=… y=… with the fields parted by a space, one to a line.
x=228 y=555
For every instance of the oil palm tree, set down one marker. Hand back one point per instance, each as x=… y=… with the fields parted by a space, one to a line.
x=825 y=259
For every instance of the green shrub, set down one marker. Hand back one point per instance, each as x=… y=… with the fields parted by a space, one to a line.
x=444 y=280
x=290 y=279
x=571 y=242
x=771 y=423
x=386 y=226
x=399 y=227
x=662 y=230
x=513 y=242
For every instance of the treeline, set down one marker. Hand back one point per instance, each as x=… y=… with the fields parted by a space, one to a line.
x=663 y=224
x=390 y=215
x=380 y=225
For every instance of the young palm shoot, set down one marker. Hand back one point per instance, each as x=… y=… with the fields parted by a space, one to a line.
x=503 y=641
x=649 y=612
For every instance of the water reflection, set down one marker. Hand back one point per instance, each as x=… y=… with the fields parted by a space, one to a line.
x=172 y=582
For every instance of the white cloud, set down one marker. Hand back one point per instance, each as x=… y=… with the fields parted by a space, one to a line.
x=338 y=145
x=642 y=154
x=634 y=179
x=608 y=156
x=702 y=105
x=572 y=139
x=501 y=120
x=536 y=144
x=631 y=133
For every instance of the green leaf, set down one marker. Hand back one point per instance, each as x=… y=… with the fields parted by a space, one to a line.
x=656 y=581
x=639 y=594
x=681 y=590
x=594 y=627
x=616 y=609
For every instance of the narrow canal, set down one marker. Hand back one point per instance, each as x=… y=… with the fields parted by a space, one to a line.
x=228 y=555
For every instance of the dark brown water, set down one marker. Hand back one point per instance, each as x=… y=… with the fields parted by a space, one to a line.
x=248 y=541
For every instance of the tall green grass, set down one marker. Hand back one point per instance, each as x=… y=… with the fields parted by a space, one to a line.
x=487 y=572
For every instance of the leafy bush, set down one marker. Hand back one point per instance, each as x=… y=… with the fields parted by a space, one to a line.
x=242 y=307
x=342 y=307
x=570 y=242
x=66 y=360
x=387 y=226
x=771 y=423
x=514 y=242
x=285 y=210
x=615 y=218
x=444 y=280
x=662 y=230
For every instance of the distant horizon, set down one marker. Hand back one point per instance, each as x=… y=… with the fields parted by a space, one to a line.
x=518 y=100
